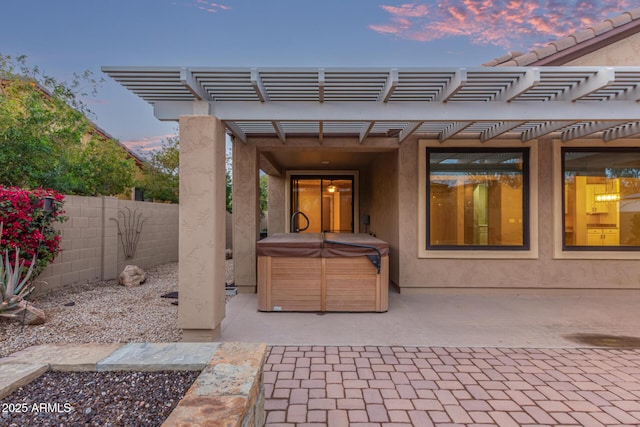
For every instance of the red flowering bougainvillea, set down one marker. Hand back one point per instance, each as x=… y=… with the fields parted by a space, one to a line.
x=29 y=227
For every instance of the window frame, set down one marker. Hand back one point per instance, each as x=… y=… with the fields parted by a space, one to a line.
x=526 y=241
x=585 y=248
x=465 y=253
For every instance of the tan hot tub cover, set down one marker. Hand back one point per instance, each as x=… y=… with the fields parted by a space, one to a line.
x=315 y=245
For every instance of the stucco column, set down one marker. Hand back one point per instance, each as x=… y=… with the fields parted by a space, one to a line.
x=202 y=227
x=246 y=215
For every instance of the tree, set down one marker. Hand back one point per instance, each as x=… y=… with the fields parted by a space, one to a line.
x=161 y=173
x=46 y=140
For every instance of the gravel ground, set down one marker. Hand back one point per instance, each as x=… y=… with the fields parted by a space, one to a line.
x=96 y=399
x=103 y=312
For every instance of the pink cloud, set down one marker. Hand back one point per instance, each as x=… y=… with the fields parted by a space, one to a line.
x=507 y=23
x=148 y=144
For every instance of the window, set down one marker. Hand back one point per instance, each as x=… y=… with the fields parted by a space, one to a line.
x=478 y=198
x=601 y=198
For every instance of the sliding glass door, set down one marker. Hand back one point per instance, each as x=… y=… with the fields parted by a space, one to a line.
x=327 y=202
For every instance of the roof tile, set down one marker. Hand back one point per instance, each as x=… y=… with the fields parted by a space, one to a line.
x=543 y=52
x=526 y=59
x=564 y=43
x=583 y=35
x=602 y=27
x=634 y=13
x=620 y=20
x=517 y=58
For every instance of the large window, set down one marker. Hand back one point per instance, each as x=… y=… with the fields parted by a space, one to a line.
x=601 y=200
x=478 y=198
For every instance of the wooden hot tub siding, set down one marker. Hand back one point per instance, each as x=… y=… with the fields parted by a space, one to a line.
x=349 y=283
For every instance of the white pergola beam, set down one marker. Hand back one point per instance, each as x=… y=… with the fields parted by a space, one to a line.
x=408 y=130
x=364 y=133
x=498 y=129
x=277 y=127
x=456 y=83
x=530 y=79
x=236 y=131
x=629 y=95
x=258 y=86
x=587 y=129
x=189 y=82
x=600 y=79
x=390 y=86
x=543 y=129
x=362 y=111
x=623 y=131
x=452 y=130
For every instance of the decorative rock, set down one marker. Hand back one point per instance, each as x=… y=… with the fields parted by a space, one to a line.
x=30 y=315
x=132 y=275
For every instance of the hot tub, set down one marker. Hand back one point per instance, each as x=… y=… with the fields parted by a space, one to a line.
x=323 y=272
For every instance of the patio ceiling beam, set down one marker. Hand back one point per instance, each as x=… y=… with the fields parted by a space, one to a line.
x=530 y=79
x=366 y=129
x=543 y=129
x=498 y=129
x=453 y=129
x=628 y=129
x=600 y=79
x=587 y=129
x=269 y=165
x=192 y=85
x=408 y=130
x=390 y=86
x=457 y=81
x=321 y=80
x=363 y=111
x=235 y=130
x=277 y=126
x=258 y=86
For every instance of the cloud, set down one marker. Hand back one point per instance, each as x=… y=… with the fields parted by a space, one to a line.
x=147 y=144
x=210 y=6
x=506 y=23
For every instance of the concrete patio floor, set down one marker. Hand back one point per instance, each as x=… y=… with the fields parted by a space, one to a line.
x=523 y=320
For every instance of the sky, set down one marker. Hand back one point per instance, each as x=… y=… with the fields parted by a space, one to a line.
x=66 y=36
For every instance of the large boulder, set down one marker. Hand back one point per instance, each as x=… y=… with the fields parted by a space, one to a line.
x=132 y=275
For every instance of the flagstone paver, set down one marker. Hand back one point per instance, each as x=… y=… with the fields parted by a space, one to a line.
x=423 y=386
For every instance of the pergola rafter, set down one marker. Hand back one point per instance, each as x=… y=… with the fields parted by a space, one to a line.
x=484 y=103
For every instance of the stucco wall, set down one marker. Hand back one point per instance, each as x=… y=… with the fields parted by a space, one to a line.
x=546 y=271
x=622 y=53
x=381 y=186
x=91 y=248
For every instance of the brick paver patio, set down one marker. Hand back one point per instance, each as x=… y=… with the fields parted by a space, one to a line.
x=424 y=386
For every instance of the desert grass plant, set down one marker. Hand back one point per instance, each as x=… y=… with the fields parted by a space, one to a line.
x=14 y=283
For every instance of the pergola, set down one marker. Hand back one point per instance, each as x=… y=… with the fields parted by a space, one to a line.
x=351 y=111
x=437 y=103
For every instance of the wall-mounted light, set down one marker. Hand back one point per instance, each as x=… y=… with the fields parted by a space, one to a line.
x=331 y=188
x=47 y=203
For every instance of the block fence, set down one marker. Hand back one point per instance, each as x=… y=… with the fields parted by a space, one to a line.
x=92 y=245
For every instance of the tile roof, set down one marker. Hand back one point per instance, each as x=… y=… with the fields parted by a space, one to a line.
x=564 y=50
